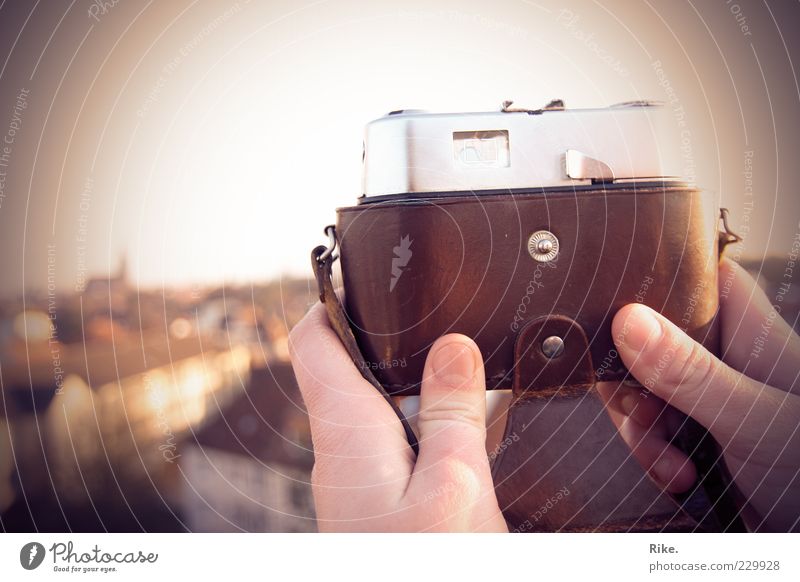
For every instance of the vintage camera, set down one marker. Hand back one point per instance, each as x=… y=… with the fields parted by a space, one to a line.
x=527 y=230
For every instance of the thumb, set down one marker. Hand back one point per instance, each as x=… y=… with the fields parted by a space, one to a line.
x=452 y=415
x=682 y=372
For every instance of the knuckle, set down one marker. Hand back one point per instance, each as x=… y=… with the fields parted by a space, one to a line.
x=328 y=449
x=457 y=481
x=453 y=411
x=689 y=368
x=324 y=422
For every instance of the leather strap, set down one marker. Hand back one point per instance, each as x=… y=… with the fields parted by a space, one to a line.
x=322 y=259
x=567 y=373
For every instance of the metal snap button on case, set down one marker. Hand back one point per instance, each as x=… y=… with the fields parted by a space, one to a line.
x=543 y=246
x=553 y=346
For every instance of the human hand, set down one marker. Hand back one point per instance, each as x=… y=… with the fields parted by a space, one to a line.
x=365 y=476
x=749 y=400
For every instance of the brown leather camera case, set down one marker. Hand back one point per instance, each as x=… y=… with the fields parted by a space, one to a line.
x=470 y=272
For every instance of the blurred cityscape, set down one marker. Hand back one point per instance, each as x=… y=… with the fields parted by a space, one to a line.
x=167 y=410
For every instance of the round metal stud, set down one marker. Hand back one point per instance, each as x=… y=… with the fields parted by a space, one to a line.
x=543 y=246
x=553 y=346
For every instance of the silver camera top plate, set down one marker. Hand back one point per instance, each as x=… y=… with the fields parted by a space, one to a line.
x=413 y=152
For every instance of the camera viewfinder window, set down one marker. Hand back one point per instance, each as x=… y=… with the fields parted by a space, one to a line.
x=482 y=149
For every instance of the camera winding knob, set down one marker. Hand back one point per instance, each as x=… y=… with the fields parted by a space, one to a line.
x=543 y=246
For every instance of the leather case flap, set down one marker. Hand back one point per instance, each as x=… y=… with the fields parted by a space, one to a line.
x=552 y=358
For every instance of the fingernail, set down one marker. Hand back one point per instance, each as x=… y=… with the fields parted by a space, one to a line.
x=453 y=364
x=664 y=469
x=643 y=330
x=628 y=403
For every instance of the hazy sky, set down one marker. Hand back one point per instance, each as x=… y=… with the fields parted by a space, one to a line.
x=211 y=141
